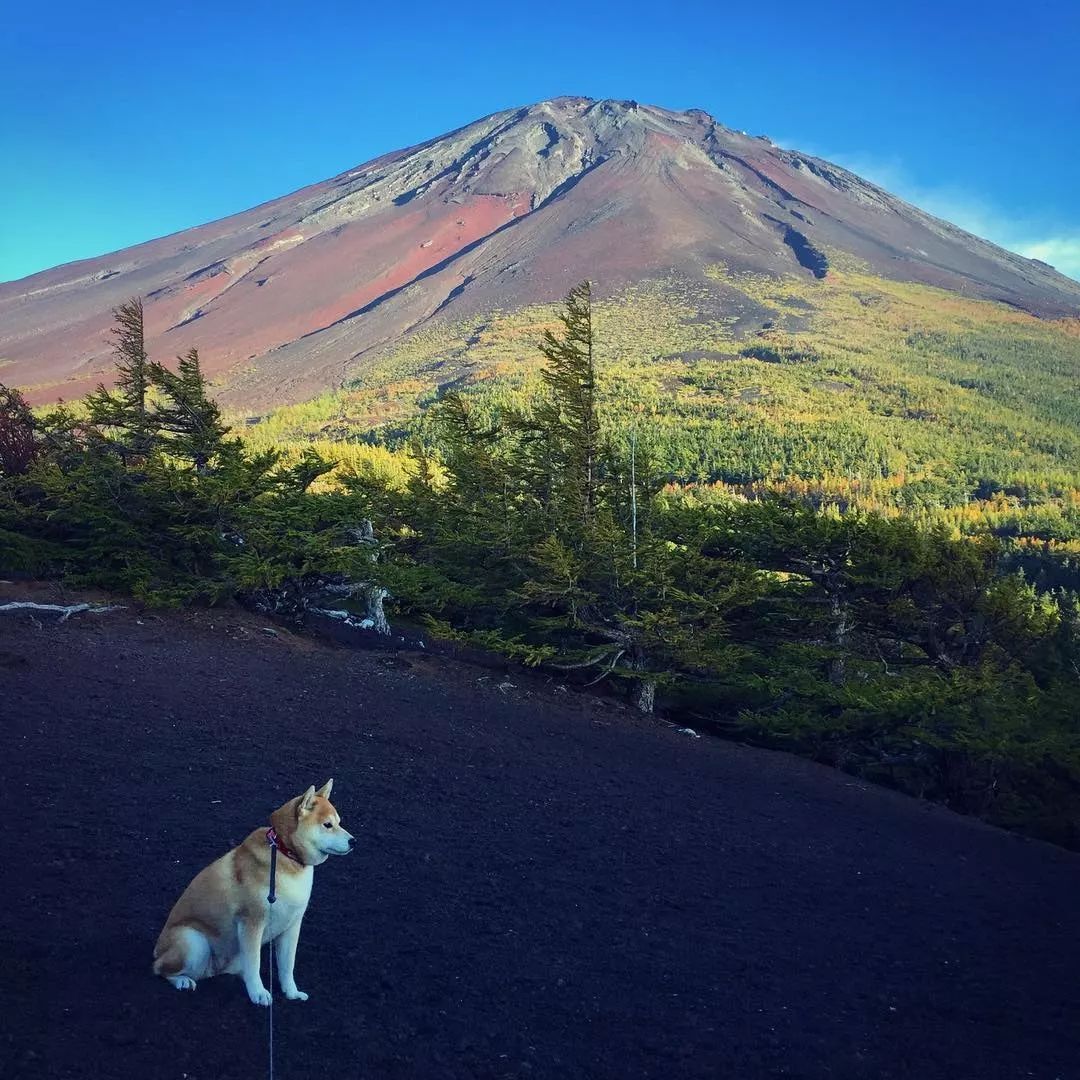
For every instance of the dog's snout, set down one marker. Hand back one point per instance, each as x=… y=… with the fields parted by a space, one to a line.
x=352 y=842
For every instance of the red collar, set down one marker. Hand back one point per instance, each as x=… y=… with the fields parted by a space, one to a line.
x=275 y=841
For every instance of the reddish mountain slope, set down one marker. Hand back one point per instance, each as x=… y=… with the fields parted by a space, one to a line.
x=287 y=299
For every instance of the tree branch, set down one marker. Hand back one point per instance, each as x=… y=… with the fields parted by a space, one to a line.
x=608 y=670
x=65 y=611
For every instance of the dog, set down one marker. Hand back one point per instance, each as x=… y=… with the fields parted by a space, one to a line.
x=223 y=918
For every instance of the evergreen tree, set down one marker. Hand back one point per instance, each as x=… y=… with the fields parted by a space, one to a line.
x=127 y=408
x=606 y=591
x=564 y=433
x=187 y=414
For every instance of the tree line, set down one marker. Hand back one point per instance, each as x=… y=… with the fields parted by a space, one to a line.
x=142 y=489
x=548 y=534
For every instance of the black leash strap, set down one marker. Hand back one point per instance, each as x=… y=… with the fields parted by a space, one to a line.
x=271 y=898
x=273 y=871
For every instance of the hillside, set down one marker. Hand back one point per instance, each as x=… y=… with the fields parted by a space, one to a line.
x=309 y=291
x=853 y=390
x=545 y=886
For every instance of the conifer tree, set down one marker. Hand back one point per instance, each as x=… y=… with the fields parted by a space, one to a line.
x=127 y=408
x=612 y=597
x=187 y=414
x=566 y=427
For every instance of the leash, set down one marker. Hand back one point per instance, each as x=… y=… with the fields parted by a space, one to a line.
x=271 y=837
x=275 y=845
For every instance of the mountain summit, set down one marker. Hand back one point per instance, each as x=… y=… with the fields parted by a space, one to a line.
x=289 y=298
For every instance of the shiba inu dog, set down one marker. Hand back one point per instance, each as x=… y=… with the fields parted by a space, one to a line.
x=223 y=918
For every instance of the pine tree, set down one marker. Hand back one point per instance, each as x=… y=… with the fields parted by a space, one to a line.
x=612 y=597
x=127 y=408
x=566 y=427
x=187 y=413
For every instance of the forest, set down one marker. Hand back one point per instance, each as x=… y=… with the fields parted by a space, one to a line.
x=749 y=578
x=850 y=391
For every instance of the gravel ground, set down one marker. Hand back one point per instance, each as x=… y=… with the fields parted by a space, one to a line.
x=546 y=886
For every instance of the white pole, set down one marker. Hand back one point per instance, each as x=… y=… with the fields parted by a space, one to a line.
x=633 y=493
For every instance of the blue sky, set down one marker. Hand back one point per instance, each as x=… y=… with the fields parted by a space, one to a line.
x=127 y=121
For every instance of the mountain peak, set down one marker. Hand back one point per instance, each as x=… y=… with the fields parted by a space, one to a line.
x=286 y=299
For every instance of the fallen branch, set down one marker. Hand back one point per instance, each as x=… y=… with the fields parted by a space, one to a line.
x=374 y=620
x=296 y=597
x=65 y=611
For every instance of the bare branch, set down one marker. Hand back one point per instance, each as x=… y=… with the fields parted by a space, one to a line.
x=608 y=670
x=592 y=661
x=64 y=611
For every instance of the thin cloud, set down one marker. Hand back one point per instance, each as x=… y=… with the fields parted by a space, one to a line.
x=1027 y=236
x=1062 y=252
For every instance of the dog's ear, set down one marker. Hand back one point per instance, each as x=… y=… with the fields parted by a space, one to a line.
x=306 y=802
x=325 y=790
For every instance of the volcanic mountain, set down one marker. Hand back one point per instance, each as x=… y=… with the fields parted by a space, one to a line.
x=298 y=294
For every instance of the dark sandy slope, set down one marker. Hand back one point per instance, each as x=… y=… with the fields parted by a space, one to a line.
x=545 y=886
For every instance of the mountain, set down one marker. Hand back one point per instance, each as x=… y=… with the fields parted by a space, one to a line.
x=305 y=292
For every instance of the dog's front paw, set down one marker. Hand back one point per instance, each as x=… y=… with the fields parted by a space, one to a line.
x=296 y=995
x=183 y=982
x=259 y=996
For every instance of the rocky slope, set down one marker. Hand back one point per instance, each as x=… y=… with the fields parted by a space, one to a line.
x=296 y=295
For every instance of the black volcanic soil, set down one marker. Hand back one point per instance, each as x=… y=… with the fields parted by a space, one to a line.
x=545 y=886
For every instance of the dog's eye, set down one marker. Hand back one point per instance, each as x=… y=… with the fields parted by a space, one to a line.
x=327 y=824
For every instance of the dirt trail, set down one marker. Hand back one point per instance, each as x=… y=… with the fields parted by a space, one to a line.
x=545 y=886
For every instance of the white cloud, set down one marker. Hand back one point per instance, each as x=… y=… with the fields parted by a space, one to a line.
x=1027 y=235
x=1062 y=252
